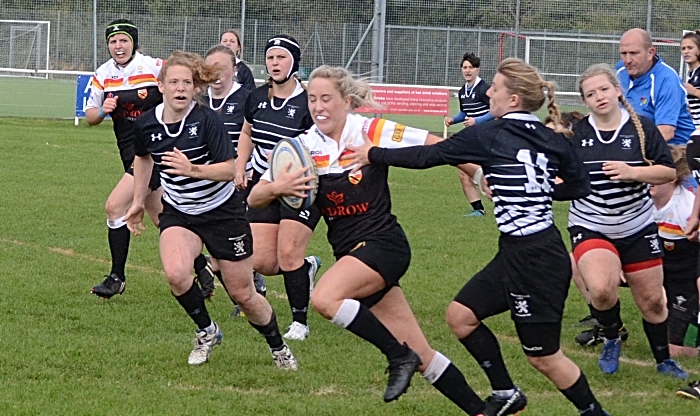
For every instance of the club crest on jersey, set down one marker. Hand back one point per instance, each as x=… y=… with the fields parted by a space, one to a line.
x=585 y=142
x=643 y=101
x=627 y=144
x=291 y=111
x=230 y=108
x=143 y=93
x=155 y=137
x=521 y=304
x=336 y=197
x=669 y=245
x=653 y=244
x=192 y=130
x=355 y=178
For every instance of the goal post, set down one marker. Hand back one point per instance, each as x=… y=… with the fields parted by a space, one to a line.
x=24 y=45
x=563 y=59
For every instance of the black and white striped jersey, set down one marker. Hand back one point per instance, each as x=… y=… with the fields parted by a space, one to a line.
x=616 y=209
x=473 y=100
x=693 y=101
x=272 y=120
x=520 y=158
x=231 y=110
x=202 y=138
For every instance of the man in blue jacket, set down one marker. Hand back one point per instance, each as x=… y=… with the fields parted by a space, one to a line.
x=653 y=88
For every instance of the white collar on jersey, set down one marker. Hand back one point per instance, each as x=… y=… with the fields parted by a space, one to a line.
x=468 y=89
x=623 y=120
x=235 y=87
x=135 y=58
x=159 y=117
x=297 y=90
x=522 y=117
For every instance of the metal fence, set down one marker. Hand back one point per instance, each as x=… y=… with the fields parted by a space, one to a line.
x=422 y=40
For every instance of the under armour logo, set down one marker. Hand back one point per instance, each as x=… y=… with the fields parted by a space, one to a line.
x=530 y=126
x=262 y=105
x=588 y=142
x=626 y=143
x=155 y=137
x=576 y=238
x=680 y=300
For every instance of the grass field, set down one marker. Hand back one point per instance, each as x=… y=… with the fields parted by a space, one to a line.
x=66 y=352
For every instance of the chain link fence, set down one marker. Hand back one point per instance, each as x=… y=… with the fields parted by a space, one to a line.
x=423 y=40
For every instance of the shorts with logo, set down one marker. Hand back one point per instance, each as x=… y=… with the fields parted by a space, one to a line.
x=644 y=246
x=682 y=301
x=153 y=183
x=389 y=254
x=277 y=211
x=529 y=276
x=223 y=230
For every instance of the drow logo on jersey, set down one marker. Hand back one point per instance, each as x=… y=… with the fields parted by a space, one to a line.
x=340 y=210
x=155 y=137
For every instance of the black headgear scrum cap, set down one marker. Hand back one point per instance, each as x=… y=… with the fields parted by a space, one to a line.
x=124 y=27
x=290 y=45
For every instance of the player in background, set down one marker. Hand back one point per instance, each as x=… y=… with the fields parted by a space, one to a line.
x=194 y=156
x=531 y=272
x=690 y=51
x=613 y=229
x=232 y=40
x=124 y=87
x=227 y=98
x=274 y=111
x=673 y=205
x=361 y=291
x=473 y=104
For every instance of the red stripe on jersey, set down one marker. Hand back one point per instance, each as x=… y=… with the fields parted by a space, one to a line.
x=322 y=161
x=593 y=244
x=114 y=82
x=642 y=265
x=670 y=228
x=96 y=83
x=375 y=130
x=138 y=79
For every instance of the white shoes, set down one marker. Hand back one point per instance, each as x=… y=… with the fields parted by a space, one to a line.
x=203 y=344
x=297 y=332
x=315 y=263
x=284 y=359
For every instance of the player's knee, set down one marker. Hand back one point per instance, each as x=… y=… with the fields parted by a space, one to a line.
x=461 y=319
x=544 y=364
x=289 y=258
x=322 y=304
x=179 y=277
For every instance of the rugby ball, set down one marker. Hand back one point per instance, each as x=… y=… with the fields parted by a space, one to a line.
x=292 y=150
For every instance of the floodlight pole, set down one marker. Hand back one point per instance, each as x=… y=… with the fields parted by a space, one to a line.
x=517 y=28
x=94 y=35
x=242 y=21
x=378 y=41
x=649 y=8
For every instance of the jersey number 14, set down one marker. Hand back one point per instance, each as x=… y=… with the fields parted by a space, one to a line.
x=533 y=185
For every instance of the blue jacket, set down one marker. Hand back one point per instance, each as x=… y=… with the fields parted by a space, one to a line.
x=660 y=96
